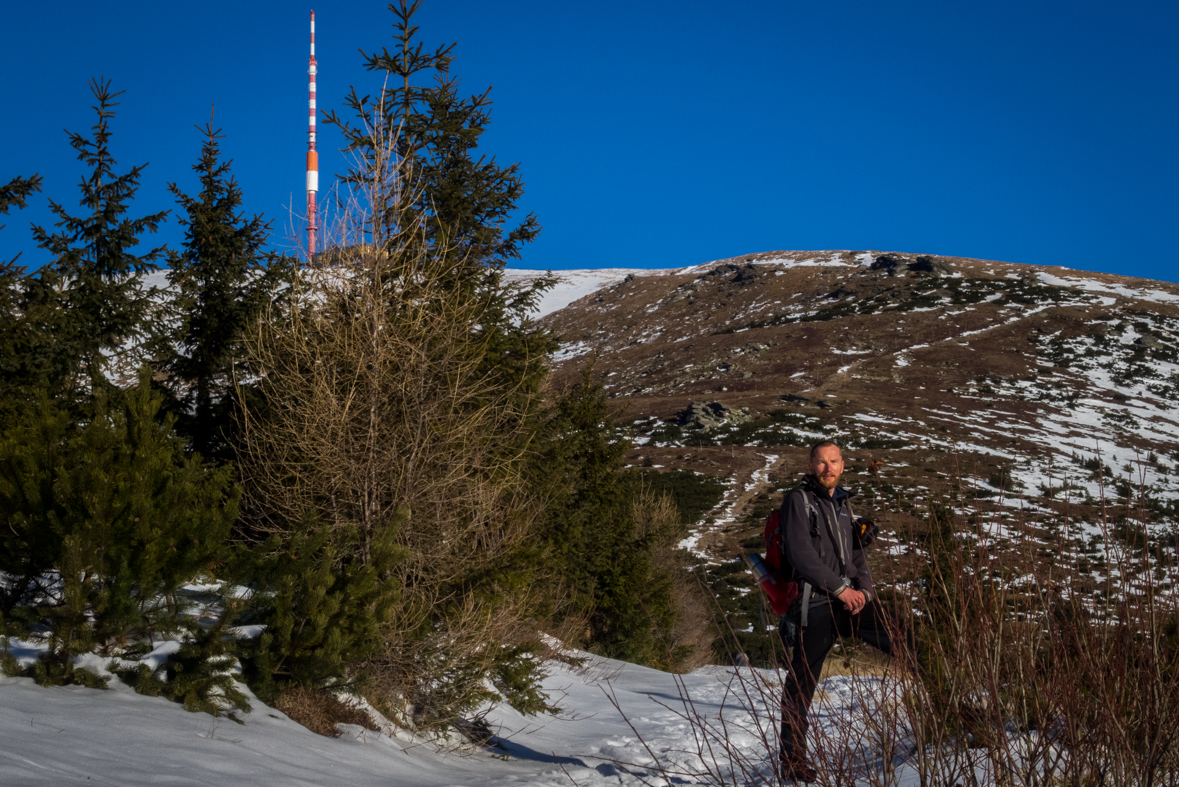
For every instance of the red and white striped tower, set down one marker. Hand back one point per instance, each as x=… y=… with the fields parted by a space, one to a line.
x=312 y=156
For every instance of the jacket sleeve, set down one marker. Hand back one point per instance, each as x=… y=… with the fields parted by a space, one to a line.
x=803 y=551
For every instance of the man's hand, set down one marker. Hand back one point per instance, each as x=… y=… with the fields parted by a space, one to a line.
x=853 y=600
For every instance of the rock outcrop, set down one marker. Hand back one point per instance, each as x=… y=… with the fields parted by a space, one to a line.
x=706 y=416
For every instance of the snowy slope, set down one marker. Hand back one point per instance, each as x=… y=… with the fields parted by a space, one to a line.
x=575 y=285
x=72 y=735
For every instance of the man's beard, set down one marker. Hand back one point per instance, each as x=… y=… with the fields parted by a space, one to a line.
x=828 y=483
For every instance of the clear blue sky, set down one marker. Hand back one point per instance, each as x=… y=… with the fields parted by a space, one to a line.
x=657 y=134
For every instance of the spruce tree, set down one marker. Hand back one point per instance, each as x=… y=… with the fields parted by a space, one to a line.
x=462 y=204
x=469 y=199
x=604 y=555
x=219 y=283
x=15 y=327
x=16 y=192
x=95 y=266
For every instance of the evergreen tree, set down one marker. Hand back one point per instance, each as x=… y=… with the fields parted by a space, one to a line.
x=322 y=608
x=36 y=356
x=102 y=523
x=16 y=192
x=461 y=204
x=95 y=270
x=219 y=283
x=200 y=674
x=469 y=199
x=14 y=323
x=600 y=548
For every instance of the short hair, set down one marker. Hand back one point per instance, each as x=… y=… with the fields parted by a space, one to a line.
x=821 y=444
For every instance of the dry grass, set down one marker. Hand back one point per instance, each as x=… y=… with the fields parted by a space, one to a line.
x=320 y=711
x=861 y=661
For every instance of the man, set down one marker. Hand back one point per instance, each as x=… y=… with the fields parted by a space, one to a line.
x=822 y=549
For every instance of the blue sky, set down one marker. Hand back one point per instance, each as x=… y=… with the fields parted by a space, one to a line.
x=658 y=134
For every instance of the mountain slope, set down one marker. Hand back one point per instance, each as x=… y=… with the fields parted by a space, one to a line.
x=1052 y=385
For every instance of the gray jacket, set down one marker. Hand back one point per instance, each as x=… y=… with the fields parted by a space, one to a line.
x=810 y=517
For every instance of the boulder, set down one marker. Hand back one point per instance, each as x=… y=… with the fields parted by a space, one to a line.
x=706 y=416
x=720 y=270
x=886 y=262
x=745 y=275
x=928 y=264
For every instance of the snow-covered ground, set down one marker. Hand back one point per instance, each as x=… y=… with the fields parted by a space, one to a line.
x=574 y=285
x=73 y=735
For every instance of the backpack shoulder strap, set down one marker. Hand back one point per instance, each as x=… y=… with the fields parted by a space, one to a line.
x=812 y=511
x=808 y=501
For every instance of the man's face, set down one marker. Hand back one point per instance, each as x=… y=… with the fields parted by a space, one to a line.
x=827 y=466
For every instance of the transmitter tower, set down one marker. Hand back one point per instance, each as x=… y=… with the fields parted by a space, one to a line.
x=312 y=155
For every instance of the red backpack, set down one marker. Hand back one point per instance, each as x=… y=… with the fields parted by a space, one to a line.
x=768 y=572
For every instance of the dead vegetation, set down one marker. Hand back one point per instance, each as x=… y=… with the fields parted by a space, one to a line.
x=320 y=711
x=692 y=635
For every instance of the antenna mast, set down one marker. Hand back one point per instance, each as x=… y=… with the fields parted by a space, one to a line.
x=312 y=155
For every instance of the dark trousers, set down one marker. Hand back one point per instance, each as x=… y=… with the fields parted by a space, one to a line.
x=825 y=622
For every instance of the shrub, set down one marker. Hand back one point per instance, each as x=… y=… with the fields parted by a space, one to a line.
x=612 y=543
x=199 y=675
x=694 y=494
